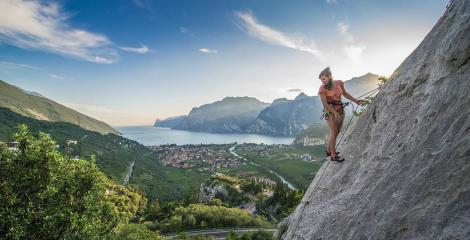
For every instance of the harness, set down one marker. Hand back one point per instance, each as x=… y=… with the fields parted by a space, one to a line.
x=335 y=103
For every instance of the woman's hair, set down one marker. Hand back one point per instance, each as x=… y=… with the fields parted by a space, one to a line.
x=325 y=72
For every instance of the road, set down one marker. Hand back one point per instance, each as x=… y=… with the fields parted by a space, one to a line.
x=129 y=173
x=218 y=233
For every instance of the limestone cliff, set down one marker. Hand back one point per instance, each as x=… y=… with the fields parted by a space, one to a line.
x=407 y=168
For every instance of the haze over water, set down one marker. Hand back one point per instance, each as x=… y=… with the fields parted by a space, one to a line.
x=149 y=136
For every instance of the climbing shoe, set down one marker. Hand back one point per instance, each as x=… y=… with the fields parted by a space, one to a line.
x=329 y=154
x=337 y=159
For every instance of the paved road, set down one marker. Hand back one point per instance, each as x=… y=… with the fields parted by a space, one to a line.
x=219 y=233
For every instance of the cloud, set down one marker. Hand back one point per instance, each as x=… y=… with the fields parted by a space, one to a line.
x=343 y=29
x=140 y=50
x=56 y=76
x=42 y=26
x=352 y=50
x=144 y=4
x=275 y=37
x=294 y=90
x=186 y=31
x=206 y=50
x=331 y=1
x=19 y=65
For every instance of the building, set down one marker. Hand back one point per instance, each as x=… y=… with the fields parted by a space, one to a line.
x=306 y=157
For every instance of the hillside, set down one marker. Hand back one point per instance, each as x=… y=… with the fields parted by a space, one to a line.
x=114 y=154
x=407 y=168
x=35 y=106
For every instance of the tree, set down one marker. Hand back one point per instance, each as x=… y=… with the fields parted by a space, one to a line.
x=47 y=196
x=153 y=210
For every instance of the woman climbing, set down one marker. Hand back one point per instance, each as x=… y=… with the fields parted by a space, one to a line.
x=330 y=93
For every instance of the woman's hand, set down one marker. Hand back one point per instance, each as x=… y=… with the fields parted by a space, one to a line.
x=359 y=102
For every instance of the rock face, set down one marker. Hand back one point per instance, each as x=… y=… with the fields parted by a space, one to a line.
x=407 y=168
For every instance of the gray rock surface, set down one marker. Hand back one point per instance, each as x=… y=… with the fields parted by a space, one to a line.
x=407 y=168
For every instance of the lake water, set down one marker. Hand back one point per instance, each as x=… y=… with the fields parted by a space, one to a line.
x=148 y=136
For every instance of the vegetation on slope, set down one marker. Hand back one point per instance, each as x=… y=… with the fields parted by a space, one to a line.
x=41 y=108
x=114 y=154
x=45 y=195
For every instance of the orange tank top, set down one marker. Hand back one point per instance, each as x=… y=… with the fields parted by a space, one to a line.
x=334 y=94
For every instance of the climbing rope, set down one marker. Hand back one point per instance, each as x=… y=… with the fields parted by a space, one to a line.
x=353 y=109
x=367 y=94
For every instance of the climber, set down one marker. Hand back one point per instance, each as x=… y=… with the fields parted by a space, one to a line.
x=330 y=93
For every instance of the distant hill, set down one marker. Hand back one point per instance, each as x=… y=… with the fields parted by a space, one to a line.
x=170 y=122
x=114 y=155
x=34 y=105
x=287 y=117
x=229 y=115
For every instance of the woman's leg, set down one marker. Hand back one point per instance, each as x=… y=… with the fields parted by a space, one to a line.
x=339 y=123
x=332 y=136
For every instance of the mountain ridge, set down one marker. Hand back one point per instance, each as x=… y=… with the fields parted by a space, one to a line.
x=34 y=105
x=282 y=117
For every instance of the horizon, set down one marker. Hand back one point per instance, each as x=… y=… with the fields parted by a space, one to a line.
x=121 y=62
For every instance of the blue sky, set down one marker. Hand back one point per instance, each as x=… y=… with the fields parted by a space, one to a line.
x=128 y=62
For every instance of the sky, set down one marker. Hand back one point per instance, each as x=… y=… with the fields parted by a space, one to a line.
x=129 y=62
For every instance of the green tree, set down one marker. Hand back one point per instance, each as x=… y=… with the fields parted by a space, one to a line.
x=47 y=196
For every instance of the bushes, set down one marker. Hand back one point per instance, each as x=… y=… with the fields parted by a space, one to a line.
x=203 y=216
x=47 y=196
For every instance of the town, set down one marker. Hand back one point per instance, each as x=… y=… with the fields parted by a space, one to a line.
x=204 y=157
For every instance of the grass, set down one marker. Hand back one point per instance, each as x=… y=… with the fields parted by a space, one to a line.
x=287 y=162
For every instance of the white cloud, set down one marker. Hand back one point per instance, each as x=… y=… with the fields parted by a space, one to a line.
x=294 y=90
x=331 y=1
x=343 y=28
x=56 y=76
x=6 y=64
x=141 y=50
x=185 y=30
x=207 y=50
x=42 y=26
x=267 y=34
x=144 y=4
x=352 y=50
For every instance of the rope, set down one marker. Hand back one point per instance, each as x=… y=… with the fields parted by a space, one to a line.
x=365 y=95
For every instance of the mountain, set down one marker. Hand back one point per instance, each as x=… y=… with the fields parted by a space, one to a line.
x=287 y=117
x=407 y=168
x=229 y=115
x=36 y=106
x=290 y=117
x=170 y=122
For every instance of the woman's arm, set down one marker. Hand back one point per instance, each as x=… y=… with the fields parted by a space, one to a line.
x=348 y=96
x=325 y=103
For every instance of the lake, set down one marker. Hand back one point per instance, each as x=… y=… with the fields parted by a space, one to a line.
x=149 y=135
